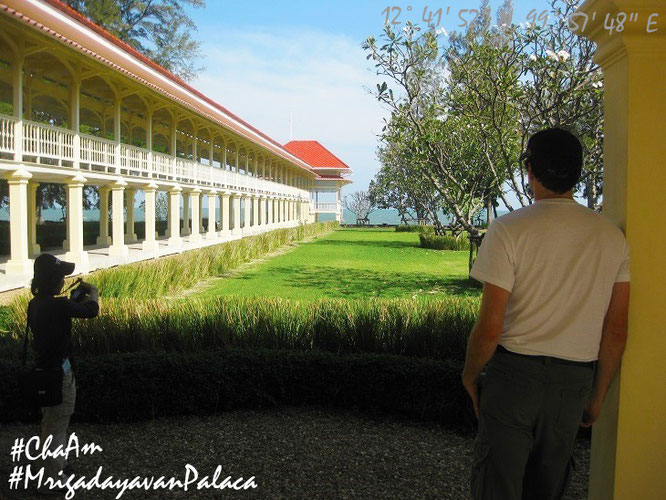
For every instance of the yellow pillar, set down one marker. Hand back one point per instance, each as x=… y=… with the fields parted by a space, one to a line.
x=628 y=453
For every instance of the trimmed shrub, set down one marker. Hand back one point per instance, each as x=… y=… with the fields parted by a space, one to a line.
x=133 y=387
x=446 y=242
x=408 y=228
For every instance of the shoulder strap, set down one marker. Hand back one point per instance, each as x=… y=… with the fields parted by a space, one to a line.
x=25 y=337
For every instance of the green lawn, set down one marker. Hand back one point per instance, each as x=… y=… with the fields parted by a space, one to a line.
x=353 y=263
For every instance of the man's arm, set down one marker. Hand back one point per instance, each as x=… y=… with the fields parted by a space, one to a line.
x=613 y=341
x=484 y=338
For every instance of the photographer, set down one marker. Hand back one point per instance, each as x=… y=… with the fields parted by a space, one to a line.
x=50 y=320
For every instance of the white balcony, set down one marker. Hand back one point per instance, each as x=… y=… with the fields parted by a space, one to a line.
x=50 y=146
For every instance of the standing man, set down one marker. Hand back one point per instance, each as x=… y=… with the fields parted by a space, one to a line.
x=555 y=301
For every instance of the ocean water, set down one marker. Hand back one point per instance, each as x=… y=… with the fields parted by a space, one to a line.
x=383 y=216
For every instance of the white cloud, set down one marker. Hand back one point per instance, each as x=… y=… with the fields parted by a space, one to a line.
x=263 y=76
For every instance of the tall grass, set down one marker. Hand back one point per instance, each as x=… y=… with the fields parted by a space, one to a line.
x=167 y=275
x=446 y=242
x=422 y=328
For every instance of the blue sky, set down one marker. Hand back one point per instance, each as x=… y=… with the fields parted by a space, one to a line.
x=266 y=60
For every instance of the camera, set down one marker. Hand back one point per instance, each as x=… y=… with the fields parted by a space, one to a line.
x=80 y=292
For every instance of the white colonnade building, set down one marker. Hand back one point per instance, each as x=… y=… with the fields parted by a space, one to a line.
x=81 y=108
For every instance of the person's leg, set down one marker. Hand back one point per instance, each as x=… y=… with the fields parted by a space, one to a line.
x=55 y=420
x=549 y=466
x=510 y=400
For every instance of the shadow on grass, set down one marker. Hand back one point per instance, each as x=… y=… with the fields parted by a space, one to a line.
x=356 y=283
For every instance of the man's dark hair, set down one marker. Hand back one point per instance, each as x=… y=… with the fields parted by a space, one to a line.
x=556 y=156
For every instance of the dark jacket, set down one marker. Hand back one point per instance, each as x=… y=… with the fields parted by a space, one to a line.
x=50 y=320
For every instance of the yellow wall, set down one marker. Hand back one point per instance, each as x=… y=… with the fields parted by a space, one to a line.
x=629 y=442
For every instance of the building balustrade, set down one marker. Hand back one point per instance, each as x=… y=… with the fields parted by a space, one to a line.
x=45 y=144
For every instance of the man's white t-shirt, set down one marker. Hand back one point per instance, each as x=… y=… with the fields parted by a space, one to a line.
x=559 y=261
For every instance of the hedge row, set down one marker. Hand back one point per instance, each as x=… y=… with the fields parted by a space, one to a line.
x=446 y=242
x=138 y=386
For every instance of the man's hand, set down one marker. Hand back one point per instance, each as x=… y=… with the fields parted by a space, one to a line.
x=591 y=412
x=472 y=387
x=484 y=338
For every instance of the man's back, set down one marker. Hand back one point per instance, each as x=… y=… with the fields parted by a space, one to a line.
x=559 y=260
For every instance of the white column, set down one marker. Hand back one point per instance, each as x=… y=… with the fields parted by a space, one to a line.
x=186 y=214
x=262 y=211
x=104 y=239
x=118 y=247
x=255 y=211
x=269 y=219
x=17 y=100
x=19 y=262
x=224 y=214
x=33 y=248
x=201 y=228
x=76 y=253
x=117 y=109
x=211 y=234
x=246 y=215
x=338 y=210
x=175 y=240
x=195 y=235
x=75 y=117
x=149 y=139
x=149 y=243
x=130 y=235
x=65 y=244
x=283 y=211
x=237 y=219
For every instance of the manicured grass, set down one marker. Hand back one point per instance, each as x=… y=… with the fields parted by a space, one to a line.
x=354 y=264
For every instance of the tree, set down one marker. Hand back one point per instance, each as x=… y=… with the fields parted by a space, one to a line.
x=360 y=203
x=159 y=29
x=423 y=124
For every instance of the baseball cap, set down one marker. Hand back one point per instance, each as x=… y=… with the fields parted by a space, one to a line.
x=47 y=264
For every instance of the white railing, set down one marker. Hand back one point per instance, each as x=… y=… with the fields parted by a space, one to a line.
x=324 y=207
x=47 y=142
x=57 y=146
x=96 y=151
x=7 y=131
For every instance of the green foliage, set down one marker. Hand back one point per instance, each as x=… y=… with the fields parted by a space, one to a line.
x=351 y=264
x=407 y=228
x=132 y=387
x=160 y=29
x=155 y=278
x=446 y=242
x=420 y=328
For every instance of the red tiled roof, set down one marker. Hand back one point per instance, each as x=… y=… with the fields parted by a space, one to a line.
x=315 y=154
